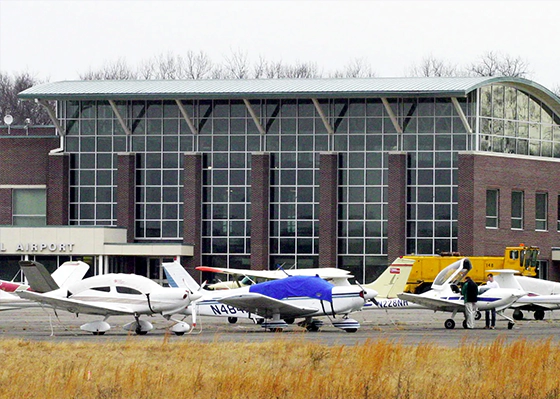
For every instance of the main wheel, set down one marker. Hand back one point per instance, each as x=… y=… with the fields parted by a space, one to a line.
x=478 y=315
x=539 y=314
x=510 y=325
x=449 y=324
x=517 y=314
x=312 y=328
x=232 y=320
x=465 y=324
x=351 y=330
x=98 y=332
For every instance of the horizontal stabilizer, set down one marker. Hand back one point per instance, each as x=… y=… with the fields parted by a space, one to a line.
x=38 y=277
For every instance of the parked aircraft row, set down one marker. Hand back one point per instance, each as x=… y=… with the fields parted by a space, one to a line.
x=306 y=295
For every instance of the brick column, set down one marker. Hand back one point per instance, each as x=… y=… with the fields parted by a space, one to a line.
x=466 y=203
x=260 y=205
x=328 y=209
x=192 y=209
x=6 y=206
x=126 y=171
x=396 y=206
x=58 y=187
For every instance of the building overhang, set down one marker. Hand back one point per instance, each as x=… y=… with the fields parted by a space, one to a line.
x=78 y=240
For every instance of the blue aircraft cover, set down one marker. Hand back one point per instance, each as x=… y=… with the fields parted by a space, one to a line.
x=295 y=286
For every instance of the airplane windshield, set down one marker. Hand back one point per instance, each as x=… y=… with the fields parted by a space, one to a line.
x=456 y=271
x=247 y=281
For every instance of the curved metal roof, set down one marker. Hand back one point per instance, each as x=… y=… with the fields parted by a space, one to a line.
x=276 y=88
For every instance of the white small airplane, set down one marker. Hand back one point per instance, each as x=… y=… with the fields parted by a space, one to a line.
x=108 y=295
x=246 y=277
x=67 y=273
x=542 y=295
x=445 y=295
x=221 y=304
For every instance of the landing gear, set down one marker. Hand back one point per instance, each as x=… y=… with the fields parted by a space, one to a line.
x=465 y=324
x=449 y=324
x=518 y=314
x=140 y=327
x=539 y=314
x=232 y=320
x=311 y=325
x=478 y=315
x=510 y=325
x=347 y=324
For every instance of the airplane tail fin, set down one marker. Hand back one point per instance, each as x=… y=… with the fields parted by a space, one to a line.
x=38 y=277
x=177 y=276
x=393 y=280
x=506 y=278
x=70 y=272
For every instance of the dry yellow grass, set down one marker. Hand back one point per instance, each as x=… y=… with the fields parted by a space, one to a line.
x=279 y=368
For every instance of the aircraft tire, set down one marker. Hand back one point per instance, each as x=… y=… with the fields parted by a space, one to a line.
x=449 y=324
x=478 y=315
x=98 y=332
x=351 y=330
x=179 y=333
x=465 y=324
x=232 y=320
x=140 y=332
x=517 y=314
x=312 y=328
x=539 y=314
x=510 y=325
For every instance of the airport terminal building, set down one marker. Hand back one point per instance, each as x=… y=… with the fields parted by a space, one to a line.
x=348 y=173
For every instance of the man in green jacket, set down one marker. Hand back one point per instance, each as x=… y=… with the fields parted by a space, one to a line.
x=470 y=295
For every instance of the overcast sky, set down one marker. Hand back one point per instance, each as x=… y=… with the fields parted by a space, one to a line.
x=58 y=40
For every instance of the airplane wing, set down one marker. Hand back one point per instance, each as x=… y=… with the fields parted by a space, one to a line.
x=324 y=272
x=74 y=306
x=266 y=306
x=433 y=303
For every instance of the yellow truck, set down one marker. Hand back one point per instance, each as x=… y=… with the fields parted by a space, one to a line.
x=523 y=258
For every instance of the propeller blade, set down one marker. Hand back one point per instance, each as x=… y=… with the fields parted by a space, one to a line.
x=194 y=306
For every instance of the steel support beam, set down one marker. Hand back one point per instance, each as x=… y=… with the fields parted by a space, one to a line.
x=186 y=117
x=52 y=115
x=119 y=117
x=461 y=114
x=391 y=114
x=319 y=109
x=254 y=116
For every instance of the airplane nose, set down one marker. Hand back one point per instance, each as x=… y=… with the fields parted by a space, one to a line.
x=195 y=295
x=369 y=293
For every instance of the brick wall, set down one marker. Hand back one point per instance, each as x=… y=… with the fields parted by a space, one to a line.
x=260 y=205
x=328 y=210
x=396 y=212
x=192 y=209
x=479 y=172
x=58 y=190
x=25 y=160
x=126 y=170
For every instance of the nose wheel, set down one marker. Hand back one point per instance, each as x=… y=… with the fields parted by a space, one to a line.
x=449 y=324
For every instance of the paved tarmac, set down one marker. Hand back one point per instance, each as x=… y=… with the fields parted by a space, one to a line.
x=409 y=327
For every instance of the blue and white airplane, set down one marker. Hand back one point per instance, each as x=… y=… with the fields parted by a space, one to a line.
x=445 y=295
x=278 y=301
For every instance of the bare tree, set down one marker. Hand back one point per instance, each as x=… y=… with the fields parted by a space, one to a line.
x=236 y=66
x=357 y=68
x=10 y=87
x=556 y=90
x=433 y=67
x=118 y=70
x=198 y=65
x=497 y=64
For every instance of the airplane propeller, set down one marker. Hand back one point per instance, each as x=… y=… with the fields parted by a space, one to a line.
x=363 y=295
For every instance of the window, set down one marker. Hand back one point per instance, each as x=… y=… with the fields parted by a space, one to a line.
x=541 y=205
x=127 y=290
x=29 y=207
x=492 y=208
x=517 y=210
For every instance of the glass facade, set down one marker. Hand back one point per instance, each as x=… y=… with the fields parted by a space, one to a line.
x=431 y=130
